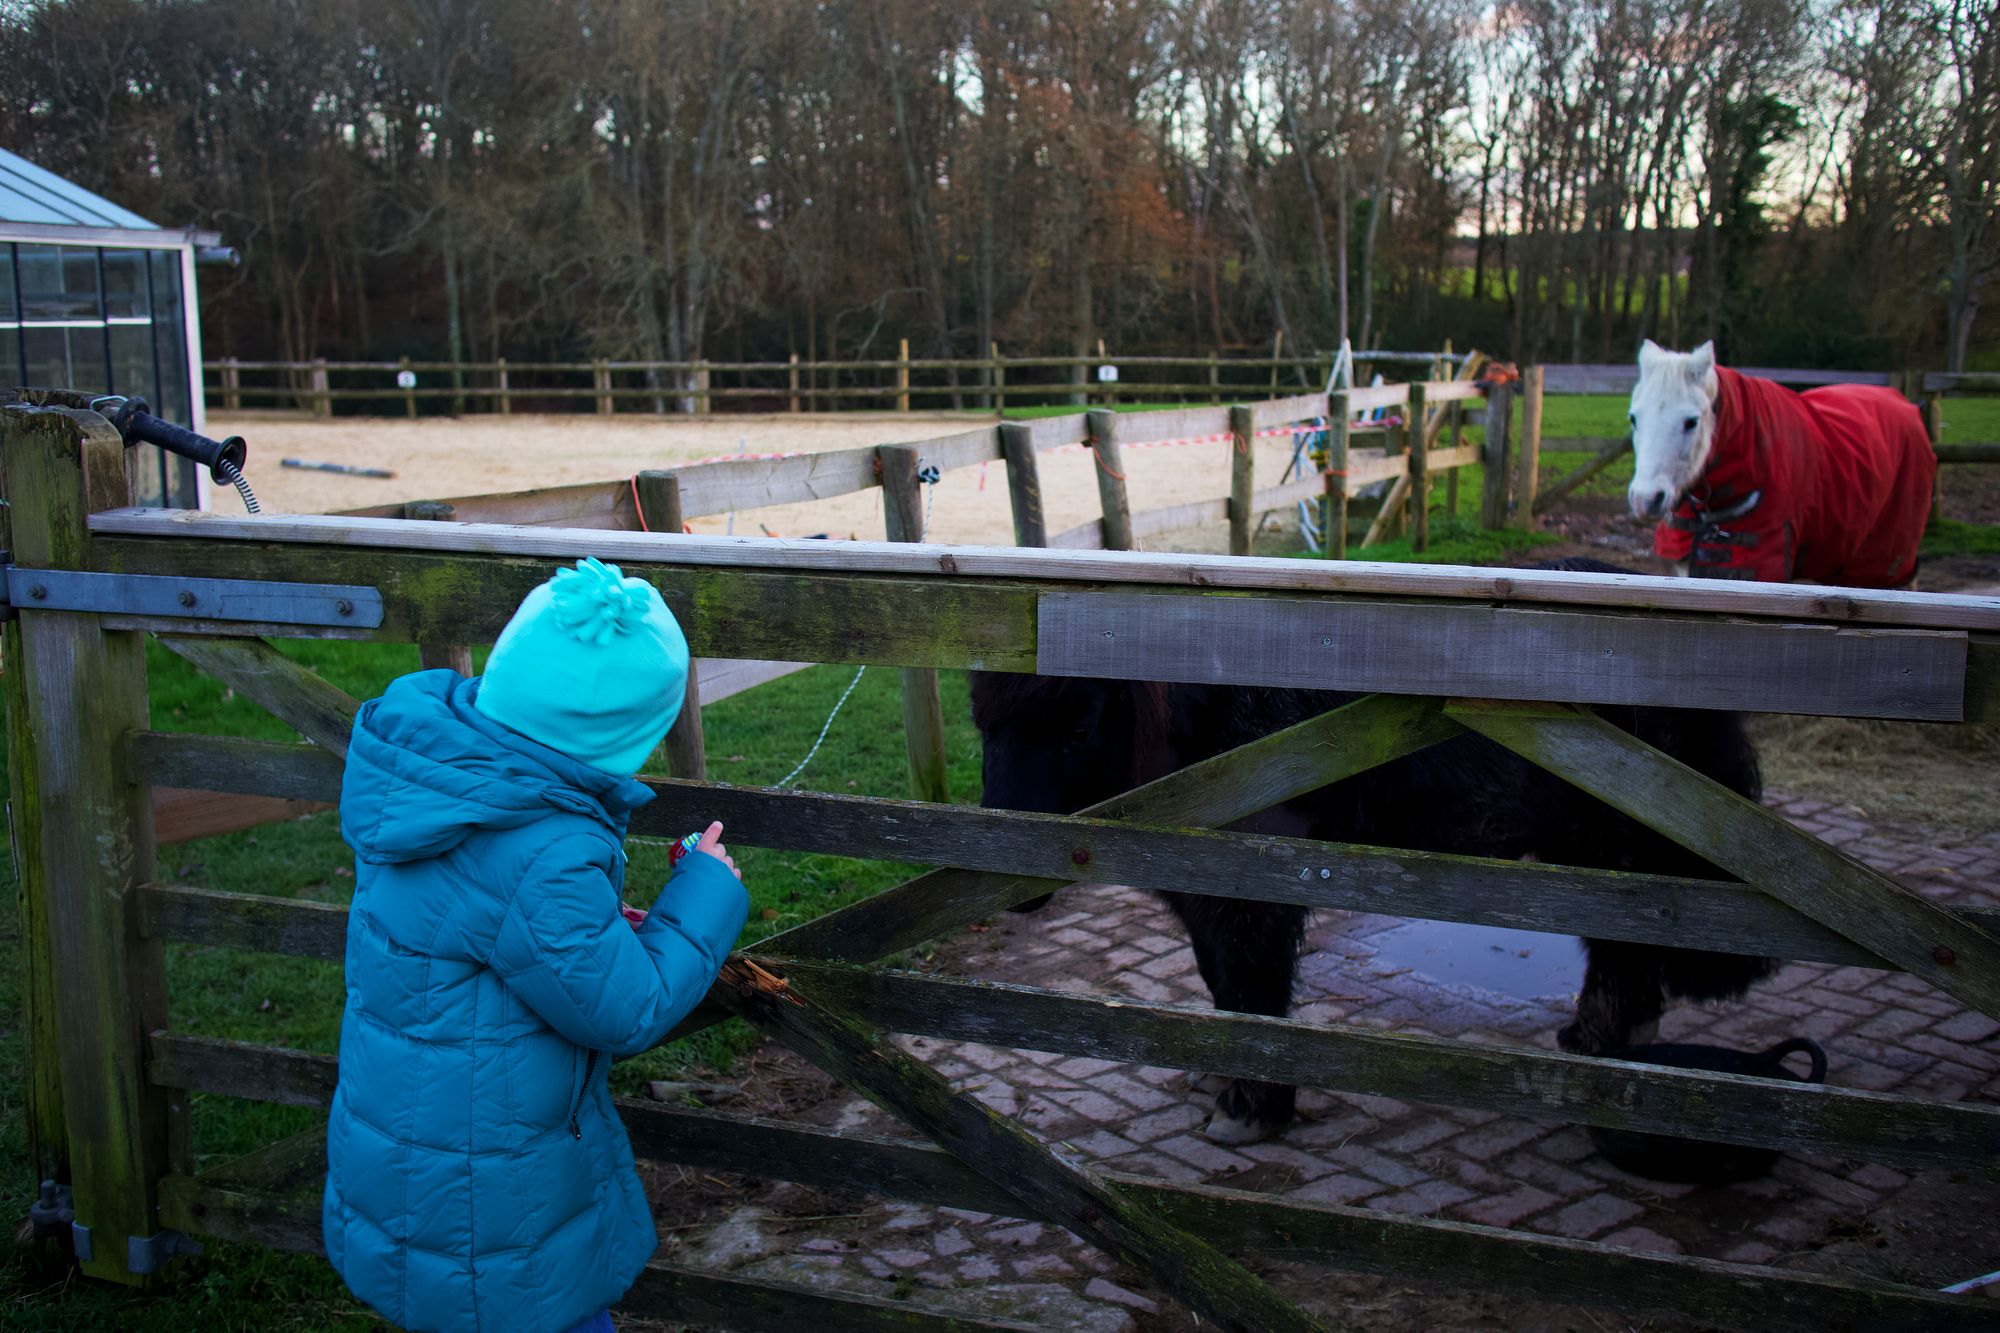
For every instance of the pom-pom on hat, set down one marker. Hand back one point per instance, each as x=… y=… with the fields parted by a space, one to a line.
x=592 y=665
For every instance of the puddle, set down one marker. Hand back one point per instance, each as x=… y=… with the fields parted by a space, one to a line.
x=1525 y=964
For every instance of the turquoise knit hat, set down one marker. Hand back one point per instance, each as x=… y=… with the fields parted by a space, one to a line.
x=592 y=665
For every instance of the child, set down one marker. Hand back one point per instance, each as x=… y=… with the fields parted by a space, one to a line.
x=477 y=1175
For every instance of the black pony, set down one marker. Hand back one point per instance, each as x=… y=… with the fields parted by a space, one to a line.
x=1058 y=745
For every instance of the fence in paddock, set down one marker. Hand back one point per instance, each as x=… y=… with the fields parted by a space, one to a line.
x=889 y=384
x=1927 y=389
x=1518 y=656
x=664 y=501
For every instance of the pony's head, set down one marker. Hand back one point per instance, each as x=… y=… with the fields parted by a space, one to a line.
x=1673 y=425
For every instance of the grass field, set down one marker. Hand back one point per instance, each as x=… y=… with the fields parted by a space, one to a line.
x=754 y=738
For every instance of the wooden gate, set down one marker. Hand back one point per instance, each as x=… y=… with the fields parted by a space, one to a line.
x=1515 y=655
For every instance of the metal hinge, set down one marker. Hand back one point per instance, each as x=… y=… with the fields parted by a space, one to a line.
x=149 y=1254
x=162 y=596
x=53 y=1210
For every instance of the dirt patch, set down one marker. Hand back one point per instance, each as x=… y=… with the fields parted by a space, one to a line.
x=1927 y=773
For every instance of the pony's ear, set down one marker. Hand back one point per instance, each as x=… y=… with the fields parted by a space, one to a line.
x=1648 y=352
x=1701 y=364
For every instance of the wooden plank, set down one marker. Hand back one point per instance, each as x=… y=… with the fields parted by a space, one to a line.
x=316 y=709
x=1424 y=1250
x=1968 y=453
x=1391 y=512
x=1024 y=484
x=1366 y=467
x=1054 y=1184
x=1368 y=398
x=590 y=505
x=1580 y=379
x=180 y=815
x=243 y=921
x=1242 y=478
x=1028 y=855
x=1454 y=391
x=241 y=1069
x=1085 y=536
x=1442 y=460
x=684 y=1296
x=1544 y=1085
x=1176 y=518
x=83 y=689
x=1219 y=790
x=1116 y=506
x=345 y=545
x=1173 y=424
x=753 y=483
x=1423 y=649
x=1923 y=938
x=285 y=1166
x=1285 y=411
x=1287 y=494
x=231 y=764
x=923 y=706
x=1606 y=456
x=724 y=677
x=658 y=496
x=1055 y=432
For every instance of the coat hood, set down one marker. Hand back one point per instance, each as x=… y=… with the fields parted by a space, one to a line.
x=426 y=770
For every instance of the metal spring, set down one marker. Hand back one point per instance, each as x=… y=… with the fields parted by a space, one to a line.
x=230 y=471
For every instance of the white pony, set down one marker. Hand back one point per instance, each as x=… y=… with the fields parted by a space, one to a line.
x=1749 y=480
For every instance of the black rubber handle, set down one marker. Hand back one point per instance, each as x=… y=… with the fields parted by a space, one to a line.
x=134 y=422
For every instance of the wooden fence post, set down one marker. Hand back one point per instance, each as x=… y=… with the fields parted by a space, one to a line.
x=600 y=379
x=1528 y=451
x=659 y=497
x=1499 y=425
x=83 y=690
x=1451 y=474
x=1333 y=504
x=322 y=391
x=1103 y=445
x=903 y=375
x=41 y=1089
x=1242 y=476
x=999 y=378
x=794 y=383
x=506 y=391
x=1024 y=483
x=701 y=386
x=433 y=656
x=409 y=394
x=1420 y=468
x=1214 y=377
x=923 y=707
x=232 y=385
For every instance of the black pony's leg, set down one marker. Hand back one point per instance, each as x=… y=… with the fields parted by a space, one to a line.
x=1620 y=1002
x=1248 y=953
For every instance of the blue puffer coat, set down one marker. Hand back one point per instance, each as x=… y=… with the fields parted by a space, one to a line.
x=478 y=1177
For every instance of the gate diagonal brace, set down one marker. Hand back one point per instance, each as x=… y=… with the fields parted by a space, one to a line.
x=332 y=605
x=1049 y=1182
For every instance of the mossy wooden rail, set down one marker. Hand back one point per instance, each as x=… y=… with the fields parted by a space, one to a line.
x=113 y=1075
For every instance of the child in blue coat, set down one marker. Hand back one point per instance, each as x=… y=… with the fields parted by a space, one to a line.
x=478 y=1177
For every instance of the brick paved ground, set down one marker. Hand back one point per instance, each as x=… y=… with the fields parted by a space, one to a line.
x=1882 y=1031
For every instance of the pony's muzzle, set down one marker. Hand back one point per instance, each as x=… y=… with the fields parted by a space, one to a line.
x=1649 y=502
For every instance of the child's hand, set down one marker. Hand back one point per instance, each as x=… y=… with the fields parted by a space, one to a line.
x=711 y=842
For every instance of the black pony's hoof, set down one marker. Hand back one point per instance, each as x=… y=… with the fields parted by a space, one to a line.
x=1227 y=1129
x=1249 y=1111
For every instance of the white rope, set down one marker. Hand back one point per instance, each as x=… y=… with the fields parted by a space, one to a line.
x=786 y=781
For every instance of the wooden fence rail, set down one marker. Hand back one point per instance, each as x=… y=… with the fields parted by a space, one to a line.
x=84 y=766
